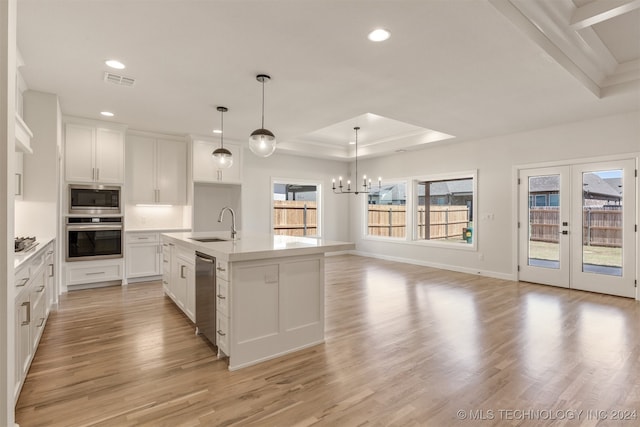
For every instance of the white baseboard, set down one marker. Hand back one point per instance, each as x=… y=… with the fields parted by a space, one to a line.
x=476 y=272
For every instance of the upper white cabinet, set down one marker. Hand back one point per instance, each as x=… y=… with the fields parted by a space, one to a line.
x=94 y=154
x=205 y=169
x=156 y=170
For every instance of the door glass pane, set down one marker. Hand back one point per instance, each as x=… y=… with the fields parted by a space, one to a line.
x=544 y=221
x=602 y=222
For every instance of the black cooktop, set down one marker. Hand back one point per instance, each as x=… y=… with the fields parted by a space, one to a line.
x=23 y=244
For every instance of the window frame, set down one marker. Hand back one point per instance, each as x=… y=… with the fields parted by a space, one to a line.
x=319 y=204
x=473 y=174
x=365 y=214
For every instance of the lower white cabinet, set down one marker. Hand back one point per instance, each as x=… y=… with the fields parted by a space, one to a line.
x=143 y=256
x=179 y=277
x=33 y=289
x=87 y=273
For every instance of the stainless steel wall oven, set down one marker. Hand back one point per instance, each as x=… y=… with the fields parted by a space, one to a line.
x=94 y=199
x=93 y=238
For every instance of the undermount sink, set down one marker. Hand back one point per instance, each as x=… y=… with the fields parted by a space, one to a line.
x=208 y=239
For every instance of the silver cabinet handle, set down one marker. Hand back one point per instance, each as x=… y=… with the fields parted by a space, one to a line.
x=40 y=289
x=221 y=269
x=182 y=275
x=41 y=322
x=142 y=238
x=28 y=305
x=23 y=282
x=222 y=334
x=51 y=271
x=221 y=296
x=18 y=191
x=94 y=273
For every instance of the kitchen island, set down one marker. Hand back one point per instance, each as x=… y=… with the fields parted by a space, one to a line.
x=270 y=290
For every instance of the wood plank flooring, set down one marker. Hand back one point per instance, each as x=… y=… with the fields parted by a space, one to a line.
x=405 y=346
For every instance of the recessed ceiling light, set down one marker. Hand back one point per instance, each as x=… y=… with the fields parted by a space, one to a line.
x=217 y=131
x=114 y=64
x=107 y=113
x=379 y=35
x=352 y=143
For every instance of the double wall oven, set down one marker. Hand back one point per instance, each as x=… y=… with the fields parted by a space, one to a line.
x=94 y=225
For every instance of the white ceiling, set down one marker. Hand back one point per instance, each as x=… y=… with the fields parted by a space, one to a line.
x=467 y=68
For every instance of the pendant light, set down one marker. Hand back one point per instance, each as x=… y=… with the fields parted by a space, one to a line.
x=366 y=185
x=222 y=156
x=262 y=142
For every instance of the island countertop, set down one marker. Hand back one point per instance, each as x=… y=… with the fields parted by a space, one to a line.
x=255 y=246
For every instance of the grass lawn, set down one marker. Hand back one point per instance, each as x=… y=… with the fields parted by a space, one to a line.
x=596 y=255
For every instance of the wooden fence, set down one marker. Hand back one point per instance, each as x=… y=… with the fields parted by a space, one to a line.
x=295 y=218
x=600 y=227
x=445 y=222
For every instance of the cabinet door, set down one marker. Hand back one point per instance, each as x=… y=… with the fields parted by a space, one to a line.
x=190 y=300
x=50 y=277
x=141 y=169
x=204 y=168
x=171 y=172
x=179 y=284
x=79 y=153
x=143 y=260
x=22 y=344
x=109 y=156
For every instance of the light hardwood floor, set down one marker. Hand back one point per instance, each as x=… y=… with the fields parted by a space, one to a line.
x=405 y=345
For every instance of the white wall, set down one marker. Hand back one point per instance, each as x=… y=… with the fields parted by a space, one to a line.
x=494 y=158
x=257 y=192
x=156 y=217
x=208 y=201
x=37 y=213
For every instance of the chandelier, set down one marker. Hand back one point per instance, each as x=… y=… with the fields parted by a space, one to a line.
x=366 y=184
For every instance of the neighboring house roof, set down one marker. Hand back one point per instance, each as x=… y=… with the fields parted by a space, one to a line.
x=594 y=185
x=455 y=188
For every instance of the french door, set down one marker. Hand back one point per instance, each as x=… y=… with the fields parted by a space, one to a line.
x=577 y=226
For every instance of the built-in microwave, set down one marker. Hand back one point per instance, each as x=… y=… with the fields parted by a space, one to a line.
x=94 y=199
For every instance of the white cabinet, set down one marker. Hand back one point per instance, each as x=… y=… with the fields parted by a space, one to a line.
x=205 y=169
x=179 y=277
x=156 y=170
x=94 y=154
x=33 y=288
x=87 y=274
x=143 y=255
x=167 y=255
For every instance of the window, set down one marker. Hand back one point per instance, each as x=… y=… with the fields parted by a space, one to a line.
x=387 y=210
x=295 y=209
x=444 y=209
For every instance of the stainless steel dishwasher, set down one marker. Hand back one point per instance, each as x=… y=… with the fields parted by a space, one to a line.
x=206 y=296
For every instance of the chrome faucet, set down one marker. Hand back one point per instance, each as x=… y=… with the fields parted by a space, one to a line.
x=233 y=220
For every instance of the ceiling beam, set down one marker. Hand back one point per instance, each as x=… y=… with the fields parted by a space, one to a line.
x=601 y=10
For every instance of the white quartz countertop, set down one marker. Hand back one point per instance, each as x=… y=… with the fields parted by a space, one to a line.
x=22 y=257
x=254 y=246
x=157 y=230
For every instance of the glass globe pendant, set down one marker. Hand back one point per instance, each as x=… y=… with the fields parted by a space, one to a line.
x=262 y=142
x=222 y=157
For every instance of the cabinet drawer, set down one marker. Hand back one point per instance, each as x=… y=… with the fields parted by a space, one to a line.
x=222 y=270
x=107 y=272
x=142 y=238
x=22 y=277
x=222 y=333
x=222 y=297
